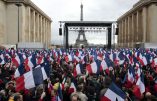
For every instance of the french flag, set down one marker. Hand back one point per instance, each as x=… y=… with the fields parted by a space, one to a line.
x=68 y=58
x=2 y=59
x=31 y=79
x=104 y=66
x=50 y=87
x=72 y=88
x=120 y=58
x=92 y=68
x=131 y=75
x=16 y=60
x=78 y=70
x=76 y=58
x=40 y=60
x=30 y=62
x=139 y=88
x=130 y=78
x=63 y=83
x=19 y=71
x=59 y=96
x=154 y=63
x=140 y=83
x=113 y=93
x=100 y=57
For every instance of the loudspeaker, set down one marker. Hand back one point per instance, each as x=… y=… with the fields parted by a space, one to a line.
x=117 y=31
x=60 y=31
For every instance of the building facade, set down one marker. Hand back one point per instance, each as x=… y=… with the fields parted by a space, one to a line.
x=34 y=24
x=139 y=25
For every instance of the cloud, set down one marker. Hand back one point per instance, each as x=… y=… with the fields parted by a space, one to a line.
x=94 y=10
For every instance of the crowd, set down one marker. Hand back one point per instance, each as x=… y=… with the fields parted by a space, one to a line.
x=80 y=75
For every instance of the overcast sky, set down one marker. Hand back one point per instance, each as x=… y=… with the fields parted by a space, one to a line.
x=94 y=10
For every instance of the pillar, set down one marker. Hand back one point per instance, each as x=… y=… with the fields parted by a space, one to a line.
x=144 y=14
x=119 y=33
x=132 y=37
x=125 y=32
x=44 y=32
x=140 y=27
x=38 y=25
x=128 y=31
x=122 y=37
x=34 y=26
x=40 y=22
x=29 y=24
x=137 y=27
x=40 y=28
x=31 y=27
x=49 y=33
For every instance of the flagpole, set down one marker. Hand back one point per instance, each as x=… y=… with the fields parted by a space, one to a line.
x=129 y=98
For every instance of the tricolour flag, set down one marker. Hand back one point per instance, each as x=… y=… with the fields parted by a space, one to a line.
x=114 y=93
x=93 y=68
x=31 y=79
x=16 y=60
x=72 y=88
x=19 y=71
x=77 y=70
x=131 y=75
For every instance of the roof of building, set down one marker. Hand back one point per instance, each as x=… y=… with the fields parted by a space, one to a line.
x=31 y=4
x=137 y=6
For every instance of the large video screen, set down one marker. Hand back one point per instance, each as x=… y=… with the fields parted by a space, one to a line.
x=94 y=36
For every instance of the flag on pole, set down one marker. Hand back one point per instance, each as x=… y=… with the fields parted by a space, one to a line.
x=114 y=93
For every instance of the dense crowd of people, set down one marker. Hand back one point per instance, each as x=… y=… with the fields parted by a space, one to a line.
x=74 y=77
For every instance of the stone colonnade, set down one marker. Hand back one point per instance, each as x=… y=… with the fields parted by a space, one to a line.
x=39 y=28
x=131 y=29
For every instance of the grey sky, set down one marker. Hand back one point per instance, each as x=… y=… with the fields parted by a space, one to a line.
x=94 y=10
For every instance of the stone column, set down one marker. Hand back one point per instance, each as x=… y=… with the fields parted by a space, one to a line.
x=125 y=32
x=140 y=27
x=41 y=29
x=137 y=27
x=122 y=36
x=29 y=24
x=23 y=24
x=128 y=31
x=144 y=14
x=119 y=24
x=46 y=33
x=49 y=33
x=132 y=39
x=34 y=26
x=43 y=34
x=38 y=25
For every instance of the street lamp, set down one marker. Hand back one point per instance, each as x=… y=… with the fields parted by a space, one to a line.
x=18 y=5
